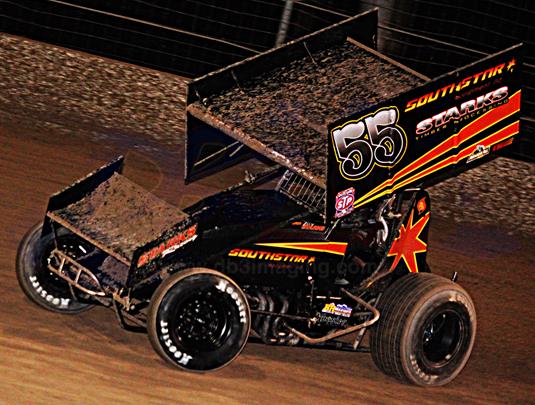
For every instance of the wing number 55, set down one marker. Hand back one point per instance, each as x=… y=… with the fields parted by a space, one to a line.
x=375 y=139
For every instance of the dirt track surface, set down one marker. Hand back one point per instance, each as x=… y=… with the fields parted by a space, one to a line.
x=59 y=85
x=50 y=358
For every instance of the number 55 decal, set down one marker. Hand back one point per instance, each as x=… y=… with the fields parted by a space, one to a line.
x=375 y=139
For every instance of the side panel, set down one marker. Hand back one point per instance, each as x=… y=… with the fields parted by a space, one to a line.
x=82 y=187
x=209 y=150
x=284 y=262
x=434 y=131
x=145 y=258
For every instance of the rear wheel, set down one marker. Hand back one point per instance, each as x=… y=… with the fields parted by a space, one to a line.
x=426 y=330
x=39 y=284
x=199 y=320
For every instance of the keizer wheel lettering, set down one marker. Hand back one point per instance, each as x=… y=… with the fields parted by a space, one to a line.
x=182 y=358
x=199 y=320
x=60 y=302
x=227 y=288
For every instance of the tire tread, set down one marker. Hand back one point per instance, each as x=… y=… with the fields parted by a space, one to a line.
x=396 y=307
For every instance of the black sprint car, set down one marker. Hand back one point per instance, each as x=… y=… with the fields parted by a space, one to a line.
x=329 y=241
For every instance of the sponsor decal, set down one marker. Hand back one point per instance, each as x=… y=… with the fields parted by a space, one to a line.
x=468 y=107
x=503 y=144
x=456 y=87
x=337 y=309
x=335 y=248
x=344 y=202
x=327 y=320
x=421 y=206
x=271 y=256
x=408 y=243
x=229 y=289
x=308 y=226
x=375 y=139
x=182 y=358
x=478 y=153
x=169 y=246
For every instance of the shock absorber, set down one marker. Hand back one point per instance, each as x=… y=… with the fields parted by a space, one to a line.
x=276 y=330
x=264 y=332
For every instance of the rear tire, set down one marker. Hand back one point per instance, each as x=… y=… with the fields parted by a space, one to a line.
x=426 y=331
x=199 y=320
x=39 y=284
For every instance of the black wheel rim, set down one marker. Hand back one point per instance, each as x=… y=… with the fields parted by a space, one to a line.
x=443 y=337
x=203 y=320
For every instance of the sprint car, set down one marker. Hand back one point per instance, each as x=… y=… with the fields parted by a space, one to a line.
x=324 y=244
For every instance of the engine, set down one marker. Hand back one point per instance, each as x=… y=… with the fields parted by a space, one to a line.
x=275 y=313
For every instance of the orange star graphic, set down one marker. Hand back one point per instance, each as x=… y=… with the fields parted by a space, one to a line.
x=408 y=243
x=421 y=206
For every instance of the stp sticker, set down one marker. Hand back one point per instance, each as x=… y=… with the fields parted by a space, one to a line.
x=344 y=202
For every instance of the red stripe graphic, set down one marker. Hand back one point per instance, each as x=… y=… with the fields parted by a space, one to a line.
x=494 y=138
x=337 y=248
x=499 y=136
x=485 y=121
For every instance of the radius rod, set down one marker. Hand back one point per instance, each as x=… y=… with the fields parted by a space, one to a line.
x=345 y=331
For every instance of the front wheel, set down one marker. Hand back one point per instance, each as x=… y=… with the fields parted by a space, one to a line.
x=426 y=331
x=39 y=284
x=199 y=320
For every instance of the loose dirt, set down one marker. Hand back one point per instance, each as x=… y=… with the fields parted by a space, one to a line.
x=289 y=108
x=121 y=215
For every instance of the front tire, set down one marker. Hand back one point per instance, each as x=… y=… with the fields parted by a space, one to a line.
x=426 y=331
x=40 y=285
x=199 y=320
